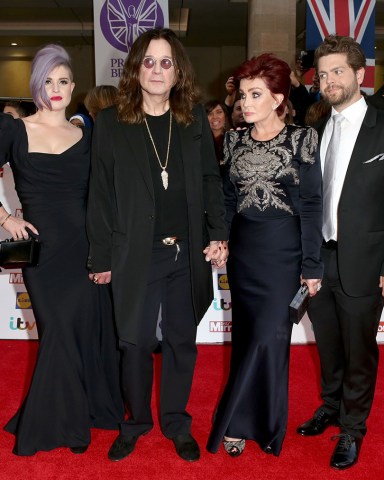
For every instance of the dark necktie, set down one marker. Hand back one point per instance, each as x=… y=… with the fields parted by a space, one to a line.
x=328 y=176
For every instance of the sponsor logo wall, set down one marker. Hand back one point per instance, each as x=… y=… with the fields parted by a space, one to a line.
x=16 y=314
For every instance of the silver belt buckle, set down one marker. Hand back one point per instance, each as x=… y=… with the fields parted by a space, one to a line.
x=169 y=240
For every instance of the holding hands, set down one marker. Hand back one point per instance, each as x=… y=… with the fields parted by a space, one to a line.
x=216 y=253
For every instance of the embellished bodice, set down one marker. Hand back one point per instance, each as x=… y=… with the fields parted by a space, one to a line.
x=266 y=175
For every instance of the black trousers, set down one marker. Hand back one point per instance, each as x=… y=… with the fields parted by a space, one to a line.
x=169 y=285
x=345 y=329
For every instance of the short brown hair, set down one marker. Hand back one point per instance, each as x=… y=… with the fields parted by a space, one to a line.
x=338 y=44
x=100 y=97
x=184 y=94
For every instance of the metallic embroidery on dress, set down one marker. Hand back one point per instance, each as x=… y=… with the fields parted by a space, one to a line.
x=258 y=166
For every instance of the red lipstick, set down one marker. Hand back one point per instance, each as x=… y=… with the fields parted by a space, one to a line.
x=55 y=99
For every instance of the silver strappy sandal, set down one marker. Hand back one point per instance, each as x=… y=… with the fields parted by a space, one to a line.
x=234 y=448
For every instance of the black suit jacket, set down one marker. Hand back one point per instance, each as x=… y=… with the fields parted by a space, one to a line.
x=361 y=210
x=121 y=210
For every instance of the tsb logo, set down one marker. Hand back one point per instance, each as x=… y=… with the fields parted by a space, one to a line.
x=222 y=281
x=22 y=300
x=16 y=278
x=220 y=327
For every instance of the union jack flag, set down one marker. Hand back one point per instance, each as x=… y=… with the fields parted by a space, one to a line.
x=353 y=18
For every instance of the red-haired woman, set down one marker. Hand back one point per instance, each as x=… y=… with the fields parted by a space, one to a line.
x=272 y=185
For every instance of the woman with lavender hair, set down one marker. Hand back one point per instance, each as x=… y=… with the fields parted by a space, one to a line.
x=75 y=385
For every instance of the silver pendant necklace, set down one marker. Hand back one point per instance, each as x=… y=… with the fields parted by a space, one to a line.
x=164 y=173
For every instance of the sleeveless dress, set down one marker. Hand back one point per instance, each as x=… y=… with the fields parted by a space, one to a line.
x=75 y=384
x=273 y=199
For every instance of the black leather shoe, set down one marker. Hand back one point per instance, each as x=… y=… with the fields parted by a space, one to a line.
x=79 y=450
x=317 y=424
x=122 y=447
x=186 y=447
x=346 y=452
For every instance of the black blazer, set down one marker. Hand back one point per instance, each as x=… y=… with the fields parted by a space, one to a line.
x=121 y=210
x=361 y=210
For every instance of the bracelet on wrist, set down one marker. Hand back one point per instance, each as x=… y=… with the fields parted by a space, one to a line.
x=5 y=219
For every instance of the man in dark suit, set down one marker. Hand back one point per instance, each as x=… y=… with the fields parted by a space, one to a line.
x=156 y=223
x=346 y=312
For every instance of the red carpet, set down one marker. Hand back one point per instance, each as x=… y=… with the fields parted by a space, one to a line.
x=154 y=456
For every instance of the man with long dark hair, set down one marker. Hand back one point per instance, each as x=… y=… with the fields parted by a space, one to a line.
x=156 y=223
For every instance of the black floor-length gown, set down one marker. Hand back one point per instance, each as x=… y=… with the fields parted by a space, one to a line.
x=75 y=384
x=273 y=198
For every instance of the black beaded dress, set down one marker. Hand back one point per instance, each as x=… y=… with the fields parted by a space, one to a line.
x=75 y=384
x=273 y=198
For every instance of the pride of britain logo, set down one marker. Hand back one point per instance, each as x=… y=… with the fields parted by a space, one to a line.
x=122 y=21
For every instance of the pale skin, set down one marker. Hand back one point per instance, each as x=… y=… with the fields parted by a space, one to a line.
x=48 y=132
x=340 y=85
x=156 y=84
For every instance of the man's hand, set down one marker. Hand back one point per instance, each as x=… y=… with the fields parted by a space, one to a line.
x=100 y=278
x=216 y=253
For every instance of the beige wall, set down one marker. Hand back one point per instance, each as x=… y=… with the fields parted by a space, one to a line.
x=272 y=28
x=14 y=78
x=213 y=66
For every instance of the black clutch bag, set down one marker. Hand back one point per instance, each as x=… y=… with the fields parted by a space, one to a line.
x=299 y=304
x=19 y=253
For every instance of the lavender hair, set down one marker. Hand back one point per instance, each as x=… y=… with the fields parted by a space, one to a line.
x=46 y=60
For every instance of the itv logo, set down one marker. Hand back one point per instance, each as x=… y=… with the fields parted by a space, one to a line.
x=220 y=304
x=19 y=324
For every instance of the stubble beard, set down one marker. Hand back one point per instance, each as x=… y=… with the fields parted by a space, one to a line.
x=343 y=95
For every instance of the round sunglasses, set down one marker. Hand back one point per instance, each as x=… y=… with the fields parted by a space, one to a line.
x=150 y=62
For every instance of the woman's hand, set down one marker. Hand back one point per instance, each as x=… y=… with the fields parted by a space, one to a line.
x=216 y=253
x=100 y=278
x=314 y=285
x=17 y=227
